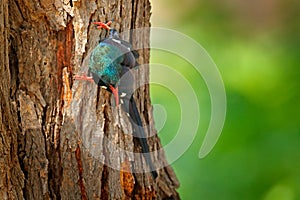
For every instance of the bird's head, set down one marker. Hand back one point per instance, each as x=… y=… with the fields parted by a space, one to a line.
x=113 y=33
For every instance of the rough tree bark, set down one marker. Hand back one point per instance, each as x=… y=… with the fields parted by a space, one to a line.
x=56 y=133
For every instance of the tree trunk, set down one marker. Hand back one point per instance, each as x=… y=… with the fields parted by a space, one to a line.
x=60 y=138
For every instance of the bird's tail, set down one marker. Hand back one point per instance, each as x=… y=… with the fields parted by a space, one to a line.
x=129 y=106
x=138 y=131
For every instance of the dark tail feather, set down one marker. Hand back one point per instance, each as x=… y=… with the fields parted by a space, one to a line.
x=129 y=106
x=139 y=132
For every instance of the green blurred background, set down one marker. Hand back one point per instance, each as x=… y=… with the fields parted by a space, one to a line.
x=255 y=45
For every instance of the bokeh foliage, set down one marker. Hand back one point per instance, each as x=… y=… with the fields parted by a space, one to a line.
x=255 y=45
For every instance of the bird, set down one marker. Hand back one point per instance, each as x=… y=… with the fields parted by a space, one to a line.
x=110 y=65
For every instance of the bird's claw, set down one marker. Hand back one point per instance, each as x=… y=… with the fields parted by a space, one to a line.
x=115 y=92
x=103 y=25
x=84 y=77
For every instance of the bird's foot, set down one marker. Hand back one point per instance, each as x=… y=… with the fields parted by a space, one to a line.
x=103 y=25
x=115 y=93
x=84 y=77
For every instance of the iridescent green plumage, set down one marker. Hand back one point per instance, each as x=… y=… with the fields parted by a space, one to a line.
x=105 y=62
x=109 y=59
